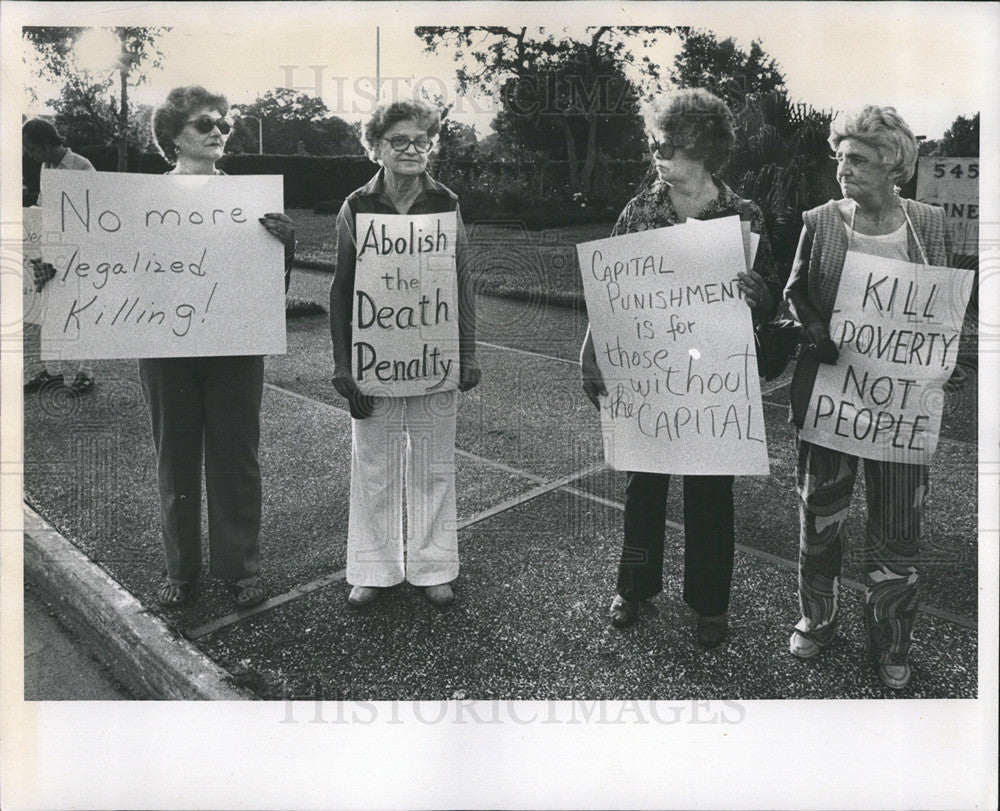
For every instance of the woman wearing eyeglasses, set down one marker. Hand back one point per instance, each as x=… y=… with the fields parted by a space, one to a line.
x=207 y=406
x=690 y=136
x=388 y=432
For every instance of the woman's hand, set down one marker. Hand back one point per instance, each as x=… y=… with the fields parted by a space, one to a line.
x=281 y=227
x=816 y=341
x=593 y=381
x=469 y=374
x=755 y=291
x=42 y=272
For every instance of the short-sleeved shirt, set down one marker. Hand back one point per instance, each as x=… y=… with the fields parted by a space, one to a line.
x=69 y=161
x=652 y=208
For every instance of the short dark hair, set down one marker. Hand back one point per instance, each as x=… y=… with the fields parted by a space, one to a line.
x=386 y=116
x=41 y=132
x=696 y=121
x=170 y=117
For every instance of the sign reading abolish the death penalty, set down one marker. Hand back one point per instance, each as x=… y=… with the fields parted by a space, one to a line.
x=897 y=326
x=405 y=331
x=161 y=266
x=674 y=343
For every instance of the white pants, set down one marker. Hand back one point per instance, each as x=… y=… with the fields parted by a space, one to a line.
x=420 y=430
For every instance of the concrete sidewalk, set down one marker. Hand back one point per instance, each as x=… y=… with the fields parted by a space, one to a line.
x=539 y=534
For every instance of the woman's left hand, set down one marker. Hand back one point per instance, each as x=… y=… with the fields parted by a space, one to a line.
x=469 y=374
x=280 y=226
x=755 y=290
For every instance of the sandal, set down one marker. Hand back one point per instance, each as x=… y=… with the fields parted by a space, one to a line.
x=248 y=595
x=174 y=592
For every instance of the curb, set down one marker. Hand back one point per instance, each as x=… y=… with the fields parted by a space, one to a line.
x=140 y=649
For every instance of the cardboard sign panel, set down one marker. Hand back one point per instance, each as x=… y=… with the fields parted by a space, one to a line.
x=896 y=325
x=674 y=342
x=33 y=301
x=405 y=322
x=161 y=266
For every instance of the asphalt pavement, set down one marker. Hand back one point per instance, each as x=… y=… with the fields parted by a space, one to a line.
x=539 y=531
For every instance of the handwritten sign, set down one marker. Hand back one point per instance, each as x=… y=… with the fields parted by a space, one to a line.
x=161 y=266
x=674 y=343
x=953 y=184
x=896 y=325
x=33 y=301
x=405 y=331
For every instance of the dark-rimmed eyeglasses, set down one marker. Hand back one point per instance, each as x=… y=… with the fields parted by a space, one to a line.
x=401 y=143
x=664 y=150
x=205 y=124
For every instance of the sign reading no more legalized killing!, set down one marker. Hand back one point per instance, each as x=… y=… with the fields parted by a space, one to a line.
x=674 y=343
x=161 y=266
x=896 y=325
x=405 y=320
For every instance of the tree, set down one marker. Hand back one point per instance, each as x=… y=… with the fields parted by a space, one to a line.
x=724 y=69
x=961 y=140
x=567 y=97
x=88 y=92
x=289 y=117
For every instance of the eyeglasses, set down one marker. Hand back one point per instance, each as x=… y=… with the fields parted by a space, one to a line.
x=664 y=150
x=401 y=143
x=205 y=124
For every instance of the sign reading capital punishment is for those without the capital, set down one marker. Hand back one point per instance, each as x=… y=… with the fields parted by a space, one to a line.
x=405 y=330
x=674 y=343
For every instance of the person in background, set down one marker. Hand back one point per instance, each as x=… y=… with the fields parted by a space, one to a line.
x=690 y=137
x=208 y=406
x=385 y=429
x=875 y=152
x=42 y=142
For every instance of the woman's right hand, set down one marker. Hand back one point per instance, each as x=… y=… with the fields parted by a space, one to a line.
x=43 y=271
x=817 y=342
x=345 y=384
x=593 y=380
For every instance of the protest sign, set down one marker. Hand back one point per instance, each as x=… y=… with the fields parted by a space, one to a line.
x=405 y=325
x=33 y=301
x=896 y=325
x=161 y=266
x=674 y=343
x=953 y=184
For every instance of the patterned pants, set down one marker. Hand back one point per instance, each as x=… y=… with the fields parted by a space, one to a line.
x=895 y=493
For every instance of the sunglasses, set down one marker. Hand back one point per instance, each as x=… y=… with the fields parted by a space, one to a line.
x=401 y=143
x=205 y=124
x=664 y=150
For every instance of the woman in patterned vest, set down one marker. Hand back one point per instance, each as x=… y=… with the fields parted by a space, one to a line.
x=875 y=153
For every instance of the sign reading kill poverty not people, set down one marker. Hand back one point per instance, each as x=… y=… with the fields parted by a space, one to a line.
x=161 y=266
x=674 y=343
x=405 y=319
x=897 y=326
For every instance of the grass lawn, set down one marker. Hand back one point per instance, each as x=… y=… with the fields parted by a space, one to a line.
x=507 y=260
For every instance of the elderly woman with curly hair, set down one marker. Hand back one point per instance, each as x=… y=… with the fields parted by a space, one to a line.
x=207 y=406
x=388 y=432
x=690 y=138
x=875 y=153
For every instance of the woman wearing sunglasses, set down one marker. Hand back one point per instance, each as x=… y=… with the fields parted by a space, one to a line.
x=690 y=137
x=207 y=406
x=387 y=429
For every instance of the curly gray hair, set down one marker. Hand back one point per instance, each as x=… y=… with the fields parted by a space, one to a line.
x=883 y=129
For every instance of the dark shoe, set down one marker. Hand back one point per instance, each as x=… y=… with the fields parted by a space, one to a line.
x=248 y=594
x=623 y=612
x=442 y=596
x=712 y=630
x=82 y=384
x=895 y=677
x=172 y=593
x=42 y=381
x=362 y=596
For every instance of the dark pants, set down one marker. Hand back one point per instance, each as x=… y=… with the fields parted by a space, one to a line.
x=708 y=540
x=210 y=406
